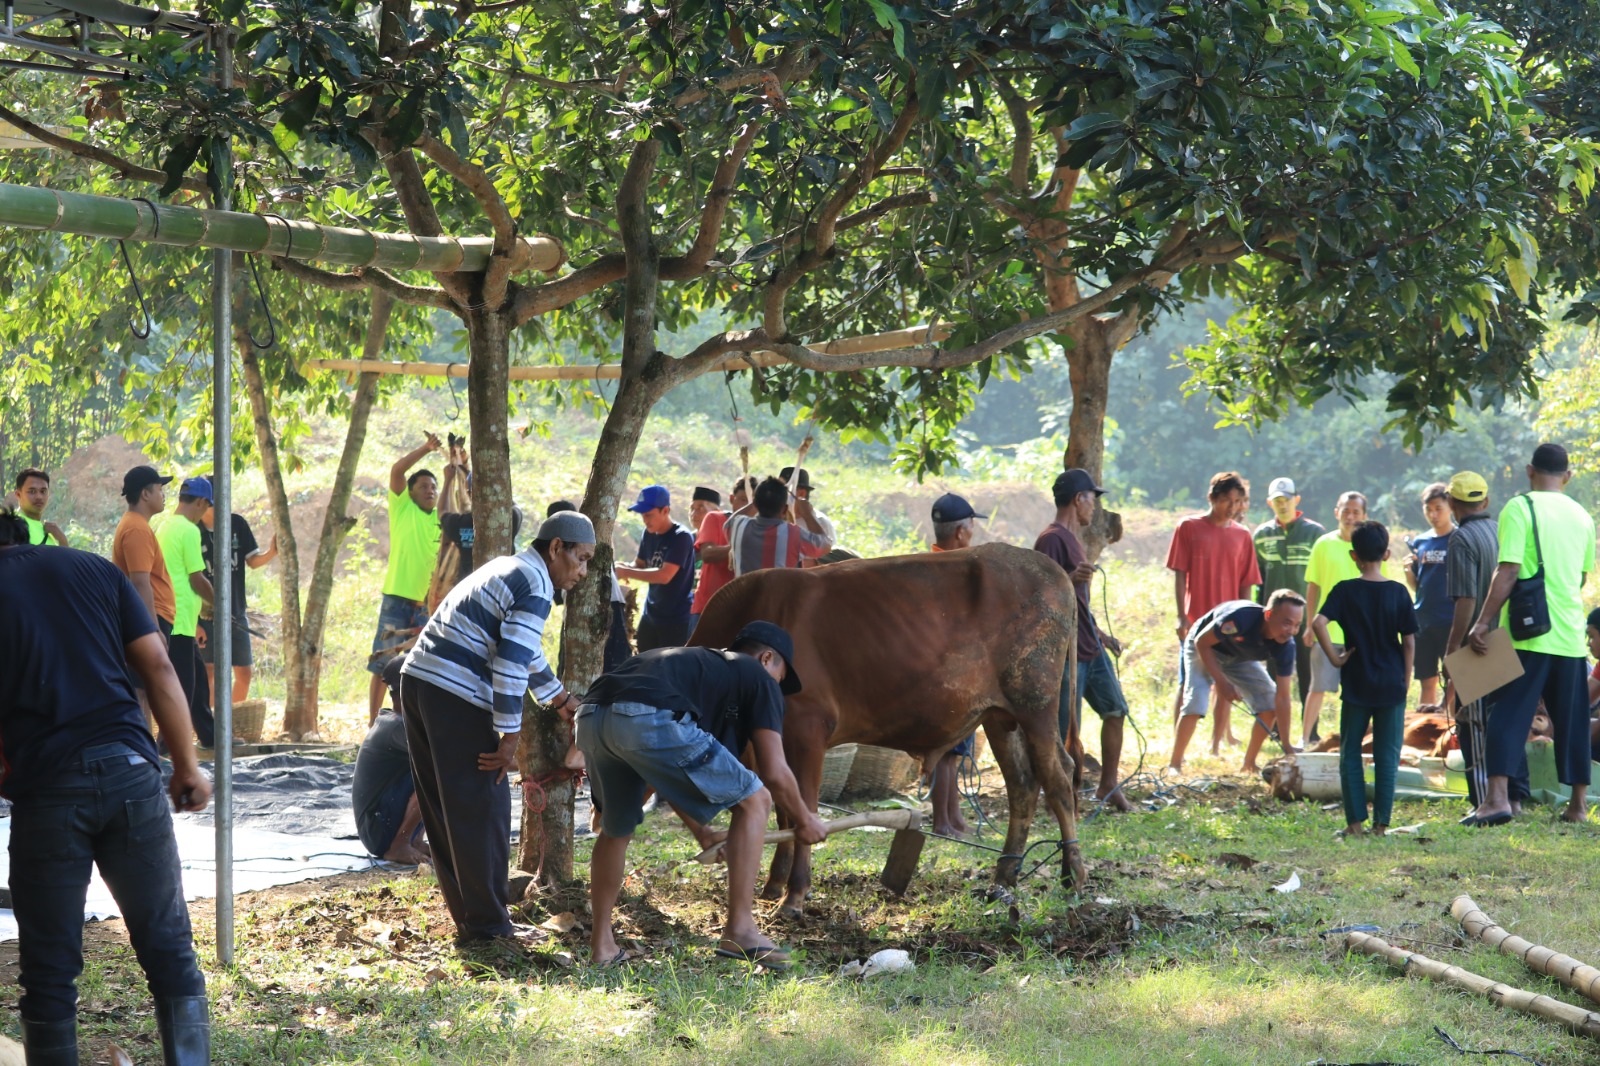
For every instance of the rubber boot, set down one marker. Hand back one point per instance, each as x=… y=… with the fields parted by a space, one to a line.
x=185 y=1031
x=50 y=1043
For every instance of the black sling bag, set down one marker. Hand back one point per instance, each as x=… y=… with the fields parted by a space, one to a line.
x=1528 y=611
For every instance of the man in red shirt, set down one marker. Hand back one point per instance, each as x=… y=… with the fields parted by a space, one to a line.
x=711 y=548
x=1213 y=560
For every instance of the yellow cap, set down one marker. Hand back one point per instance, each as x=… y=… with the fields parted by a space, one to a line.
x=1469 y=487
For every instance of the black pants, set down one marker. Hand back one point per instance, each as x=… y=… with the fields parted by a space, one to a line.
x=192 y=676
x=466 y=812
x=654 y=634
x=101 y=810
x=1469 y=731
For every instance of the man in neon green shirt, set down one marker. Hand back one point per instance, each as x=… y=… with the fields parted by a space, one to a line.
x=1331 y=563
x=1542 y=530
x=31 y=494
x=178 y=533
x=413 y=547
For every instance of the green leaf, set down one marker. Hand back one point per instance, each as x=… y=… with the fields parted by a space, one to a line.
x=891 y=22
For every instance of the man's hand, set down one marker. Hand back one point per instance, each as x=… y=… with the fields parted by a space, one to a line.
x=1478 y=639
x=1083 y=572
x=189 y=788
x=432 y=442
x=1226 y=692
x=566 y=705
x=1183 y=628
x=1113 y=645
x=810 y=830
x=1345 y=657
x=502 y=758
x=1309 y=637
x=200 y=637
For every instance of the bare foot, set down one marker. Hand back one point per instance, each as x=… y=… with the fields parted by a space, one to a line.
x=1355 y=829
x=1380 y=830
x=406 y=855
x=1575 y=815
x=1249 y=768
x=1116 y=801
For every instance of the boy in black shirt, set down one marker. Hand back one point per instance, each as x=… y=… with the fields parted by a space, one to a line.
x=1380 y=626
x=676 y=720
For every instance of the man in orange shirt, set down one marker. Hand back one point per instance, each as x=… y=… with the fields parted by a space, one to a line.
x=135 y=550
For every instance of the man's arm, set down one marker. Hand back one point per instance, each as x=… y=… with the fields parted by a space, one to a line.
x=189 y=788
x=1206 y=645
x=807 y=517
x=54 y=531
x=444 y=490
x=773 y=768
x=402 y=466
x=1180 y=588
x=653 y=575
x=1313 y=599
x=147 y=591
x=1505 y=578
x=713 y=553
x=262 y=556
x=1408 y=645
x=1460 y=622
x=202 y=585
x=1319 y=630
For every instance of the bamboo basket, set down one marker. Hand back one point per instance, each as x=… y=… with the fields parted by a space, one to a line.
x=248 y=719
x=836 y=764
x=880 y=772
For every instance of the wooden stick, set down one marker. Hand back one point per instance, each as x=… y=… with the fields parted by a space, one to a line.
x=904 y=818
x=1576 y=975
x=1575 y=1019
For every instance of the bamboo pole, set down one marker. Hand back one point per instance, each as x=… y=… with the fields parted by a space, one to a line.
x=144 y=220
x=1576 y=975
x=869 y=342
x=1575 y=1019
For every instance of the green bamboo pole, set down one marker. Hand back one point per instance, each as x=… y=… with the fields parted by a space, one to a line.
x=31 y=207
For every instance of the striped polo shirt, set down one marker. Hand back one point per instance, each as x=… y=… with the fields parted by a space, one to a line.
x=485 y=643
x=767 y=543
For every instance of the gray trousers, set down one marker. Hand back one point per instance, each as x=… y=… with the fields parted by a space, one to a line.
x=467 y=814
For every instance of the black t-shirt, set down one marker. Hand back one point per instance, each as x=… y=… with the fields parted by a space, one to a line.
x=728 y=694
x=669 y=602
x=244 y=542
x=1240 y=629
x=66 y=618
x=383 y=759
x=1374 y=616
x=456 y=528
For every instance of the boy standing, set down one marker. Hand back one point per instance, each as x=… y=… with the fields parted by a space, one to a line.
x=1425 y=573
x=1380 y=627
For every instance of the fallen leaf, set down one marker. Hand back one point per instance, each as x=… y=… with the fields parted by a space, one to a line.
x=565 y=922
x=1291 y=885
x=358 y=972
x=1410 y=830
x=1236 y=860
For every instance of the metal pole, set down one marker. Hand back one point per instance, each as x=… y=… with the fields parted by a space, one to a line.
x=222 y=538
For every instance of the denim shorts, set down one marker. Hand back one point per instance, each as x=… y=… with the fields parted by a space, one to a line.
x=627 y=746
x=399 y=619
x=1324 y=675
x=1248 y=677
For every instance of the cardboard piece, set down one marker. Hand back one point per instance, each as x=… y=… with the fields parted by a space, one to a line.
x=1475 y=675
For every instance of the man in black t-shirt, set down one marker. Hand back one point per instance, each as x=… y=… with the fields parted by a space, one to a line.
x=383 y=792
x=81 y=770
x=246 y=553
x=676 y=720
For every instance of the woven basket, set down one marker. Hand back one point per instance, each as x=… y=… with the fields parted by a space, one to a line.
x=880 y=772
x=248 y=719
x=836 y=765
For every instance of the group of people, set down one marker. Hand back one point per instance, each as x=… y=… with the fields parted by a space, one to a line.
x=1255 y=611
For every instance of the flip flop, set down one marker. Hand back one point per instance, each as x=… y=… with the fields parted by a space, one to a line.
x=622 y=957
x=1493 y=820
x=773 y=958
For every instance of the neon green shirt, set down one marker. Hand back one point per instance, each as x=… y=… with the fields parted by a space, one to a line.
x=36 y=533
x=1330 y=564
x=180 y=547
x=413 y=546
x=1566 y=543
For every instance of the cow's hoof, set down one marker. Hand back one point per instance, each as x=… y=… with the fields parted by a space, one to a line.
x=773 y=890
x=1073 y=872
x=795 y=913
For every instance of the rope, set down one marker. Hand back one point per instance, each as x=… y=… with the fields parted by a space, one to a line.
x=535 y=799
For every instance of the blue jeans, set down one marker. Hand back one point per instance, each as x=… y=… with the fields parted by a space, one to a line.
x=1097 y=683
x=106 y=808
x=399 y=620
x=1388 y=728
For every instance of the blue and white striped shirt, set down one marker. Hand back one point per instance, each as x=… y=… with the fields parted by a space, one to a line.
x=485 y=643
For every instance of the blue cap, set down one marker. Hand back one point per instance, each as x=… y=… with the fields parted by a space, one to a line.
x=196 y=486
x=777 y=638
x=953 y=508
x=651 y=497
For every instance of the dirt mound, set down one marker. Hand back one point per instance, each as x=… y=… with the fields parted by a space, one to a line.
x=306 y=511
x=90 y=481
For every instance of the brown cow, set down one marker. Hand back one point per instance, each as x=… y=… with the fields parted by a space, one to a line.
x=913 y=652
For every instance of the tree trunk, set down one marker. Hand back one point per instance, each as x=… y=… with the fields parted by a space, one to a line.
x=1089 y=370
x=272 y=471
x=302 y=685
x=646 y=377
x=488 y=408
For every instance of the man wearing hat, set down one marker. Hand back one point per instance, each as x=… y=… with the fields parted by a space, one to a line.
x=461 y=690
x=134 y=548
x=802 y=491
x=952 y=530
x=1075 y=495
x=666 y=563
x=711 y=549
x=1283 y=549
x=179 y=534
x=676 y=720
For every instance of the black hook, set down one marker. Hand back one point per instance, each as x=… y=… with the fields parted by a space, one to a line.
x=450 y=381
x=137 y=292
x=272 y=327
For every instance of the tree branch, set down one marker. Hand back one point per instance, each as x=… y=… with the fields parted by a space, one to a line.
x=530 y=301
x=127 y=169
x=367 y=278
x=475 y=180
x=712 y=351
x=642 y=275
x=722 y=188
x=1022 y=135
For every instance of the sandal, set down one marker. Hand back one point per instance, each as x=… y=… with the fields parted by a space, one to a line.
x=773 y=958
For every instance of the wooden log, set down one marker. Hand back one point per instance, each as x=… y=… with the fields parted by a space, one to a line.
x=1575 y=974
x=868 y=342
x=1574 y=1019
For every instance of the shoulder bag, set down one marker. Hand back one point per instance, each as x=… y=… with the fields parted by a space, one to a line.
x=1528 y=611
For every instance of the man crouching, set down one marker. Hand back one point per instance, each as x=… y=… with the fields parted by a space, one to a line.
x=675 y=720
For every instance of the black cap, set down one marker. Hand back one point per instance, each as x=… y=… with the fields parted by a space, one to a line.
x=953 y=508
x=139 y=478
x=805 y=477
x=777 y=638
x=1075 y=481
x=708 y=495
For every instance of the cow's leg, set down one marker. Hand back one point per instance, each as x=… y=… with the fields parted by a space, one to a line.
x=1056 y=771
x=807 y=766
x=1022 y=792
x=782 y=863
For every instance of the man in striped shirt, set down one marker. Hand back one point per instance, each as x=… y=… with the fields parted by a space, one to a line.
x=461 y=693
x=765 y=540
